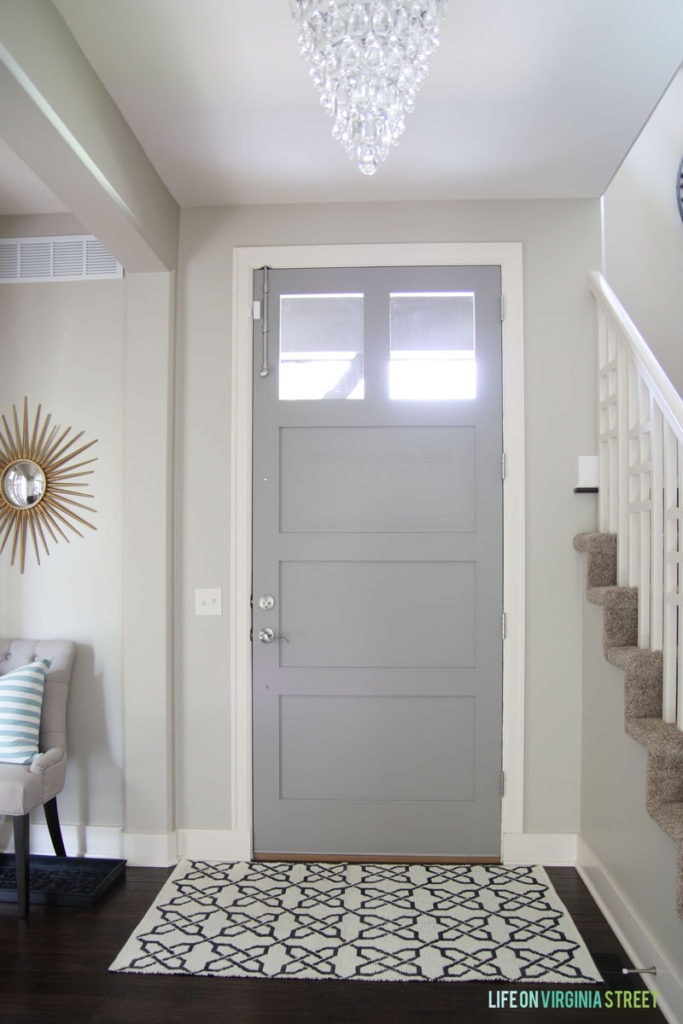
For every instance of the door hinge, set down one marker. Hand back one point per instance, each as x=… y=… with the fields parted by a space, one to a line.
x=504 y=626
x=256 y=310
x=503 y=466
x=502 y=308
x=502 y=783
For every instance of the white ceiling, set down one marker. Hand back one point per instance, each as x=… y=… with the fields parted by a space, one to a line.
x=525 y=99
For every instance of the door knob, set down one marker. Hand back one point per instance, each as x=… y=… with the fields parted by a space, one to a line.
x=267 y=635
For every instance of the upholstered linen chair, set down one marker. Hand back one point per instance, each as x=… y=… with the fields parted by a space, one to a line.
x=36 y=783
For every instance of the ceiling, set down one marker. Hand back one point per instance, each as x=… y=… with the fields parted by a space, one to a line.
x=525 y=99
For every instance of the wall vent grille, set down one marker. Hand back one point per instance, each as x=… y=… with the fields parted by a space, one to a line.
x=60 y=258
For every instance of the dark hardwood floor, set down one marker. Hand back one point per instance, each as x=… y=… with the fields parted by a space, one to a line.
x=53 y=970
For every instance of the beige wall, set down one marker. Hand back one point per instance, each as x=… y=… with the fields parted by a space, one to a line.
x=644 y=233
x=98 y=356
x=62 y=346
x=561 y=243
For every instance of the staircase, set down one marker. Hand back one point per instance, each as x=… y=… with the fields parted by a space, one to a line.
x=643 y=685
x=635 y=562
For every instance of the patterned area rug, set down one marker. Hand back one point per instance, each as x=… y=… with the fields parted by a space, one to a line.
x=373 y=922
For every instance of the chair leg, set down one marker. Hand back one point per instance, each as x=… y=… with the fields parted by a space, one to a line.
x=21 y=848
x=52 y=819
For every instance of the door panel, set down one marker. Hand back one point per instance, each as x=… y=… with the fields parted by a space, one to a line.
x=412 y=479
x=336 y=733
x=363 y=614
x=377 y=563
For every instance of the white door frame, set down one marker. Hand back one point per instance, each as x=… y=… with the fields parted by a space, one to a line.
x=506 y=255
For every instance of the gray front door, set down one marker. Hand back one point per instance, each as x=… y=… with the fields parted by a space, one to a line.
x=377 y=562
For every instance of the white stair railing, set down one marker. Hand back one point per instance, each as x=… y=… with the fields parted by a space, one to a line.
x=640 y=426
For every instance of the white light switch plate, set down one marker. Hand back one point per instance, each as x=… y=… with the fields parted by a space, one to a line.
x=208 y=601
x=589 y=471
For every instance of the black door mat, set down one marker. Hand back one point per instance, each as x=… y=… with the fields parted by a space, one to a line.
x=61 y=881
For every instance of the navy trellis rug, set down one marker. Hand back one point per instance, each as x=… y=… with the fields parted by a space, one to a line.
x=371 y=922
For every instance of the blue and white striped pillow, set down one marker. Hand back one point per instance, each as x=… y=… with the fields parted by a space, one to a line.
x=21 y=703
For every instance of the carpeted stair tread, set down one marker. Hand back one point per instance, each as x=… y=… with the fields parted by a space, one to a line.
x=601 y=548
x=620 y=615
x=661 y=739
x=600 y=543
x=613 y=596
x=669 y=817
x=642 y=680
x=637 y=660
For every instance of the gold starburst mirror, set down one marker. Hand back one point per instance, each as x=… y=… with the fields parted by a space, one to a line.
x=41 y=484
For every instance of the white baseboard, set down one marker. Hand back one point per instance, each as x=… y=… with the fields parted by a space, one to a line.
x=190 y=843
x=214 y=844
x=81 y=840
x=140 y=849
x=153 y=850
x=633 y=934
x=164 y=849
x=552 y=849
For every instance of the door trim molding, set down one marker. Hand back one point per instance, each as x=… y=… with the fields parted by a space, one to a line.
x=506 y=255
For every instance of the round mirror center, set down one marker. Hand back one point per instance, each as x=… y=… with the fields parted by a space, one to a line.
x=23 y=483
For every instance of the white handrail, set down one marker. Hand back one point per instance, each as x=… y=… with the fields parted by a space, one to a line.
x=640 y=433
x=667 y=395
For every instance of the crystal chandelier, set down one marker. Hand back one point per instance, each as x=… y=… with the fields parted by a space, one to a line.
x=368 y=58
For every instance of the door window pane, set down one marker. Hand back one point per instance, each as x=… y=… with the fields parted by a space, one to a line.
x=321 y=347
x=432 y=346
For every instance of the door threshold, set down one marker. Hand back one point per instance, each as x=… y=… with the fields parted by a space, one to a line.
x=369 y=858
